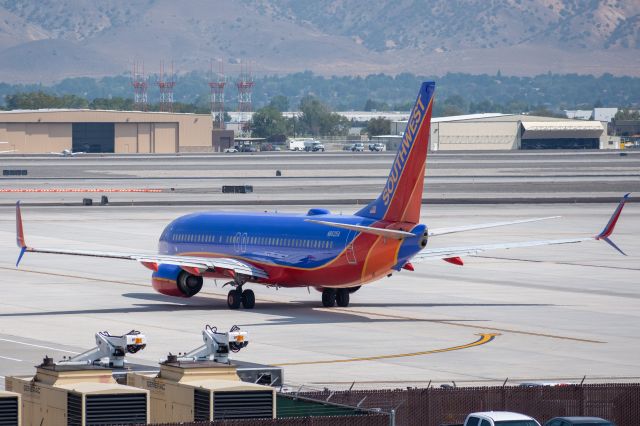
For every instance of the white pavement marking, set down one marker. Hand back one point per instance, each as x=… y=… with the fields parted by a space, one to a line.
x=38 y=346
x=10 y=359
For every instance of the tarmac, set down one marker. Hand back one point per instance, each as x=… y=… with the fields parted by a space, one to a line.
x=553 y=314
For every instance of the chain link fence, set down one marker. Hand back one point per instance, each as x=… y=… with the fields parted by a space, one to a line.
x=619 y=403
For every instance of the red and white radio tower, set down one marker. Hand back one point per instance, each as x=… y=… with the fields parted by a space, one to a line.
x=166 y=89
x=217 y=82
x=140 y=85
x=245 y=89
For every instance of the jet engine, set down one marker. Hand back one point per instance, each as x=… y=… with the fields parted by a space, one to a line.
x=173 y=281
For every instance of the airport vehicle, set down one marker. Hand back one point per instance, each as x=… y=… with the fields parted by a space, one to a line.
x=578 y=421
x=499 y=418
x=67 y=153
x=248 y=148
x=231 y=150
x=335 y=254
x=357 y=147
x=377 y=147
x=313 y=146
x=296 y=144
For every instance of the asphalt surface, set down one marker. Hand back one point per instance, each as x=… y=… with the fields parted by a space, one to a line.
x=341 y=178
x=547 y=313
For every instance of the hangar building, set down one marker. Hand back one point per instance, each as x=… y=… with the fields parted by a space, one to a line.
x=51 y=130
x=512 y=132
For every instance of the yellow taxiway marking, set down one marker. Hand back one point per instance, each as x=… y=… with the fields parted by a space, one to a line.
x=484 y=339
x=481 y=327
x=343 y=310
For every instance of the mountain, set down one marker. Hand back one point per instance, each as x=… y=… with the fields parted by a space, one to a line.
x=47 y=40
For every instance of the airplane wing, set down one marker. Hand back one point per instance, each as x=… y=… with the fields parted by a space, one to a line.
x=452 y=254
x=464 y=228
x=149 y=260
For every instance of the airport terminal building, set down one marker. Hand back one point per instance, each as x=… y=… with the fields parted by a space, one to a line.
x=52 y=130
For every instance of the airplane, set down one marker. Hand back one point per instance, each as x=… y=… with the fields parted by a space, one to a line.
x=67 y=153
x=335 y=254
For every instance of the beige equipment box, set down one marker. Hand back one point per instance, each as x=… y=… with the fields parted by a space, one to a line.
x=77 y=396
x=186 y=391
x=9 y=409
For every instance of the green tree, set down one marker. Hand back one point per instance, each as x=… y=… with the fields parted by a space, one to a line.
x=116 y=104
x=40 y=99
x=281 y=103
x=627 y=114
x=268 y=122
x=378 y=126
x=317 y=119
x=372 y=105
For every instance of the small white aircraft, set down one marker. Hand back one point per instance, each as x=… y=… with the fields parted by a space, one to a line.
x=67 y=153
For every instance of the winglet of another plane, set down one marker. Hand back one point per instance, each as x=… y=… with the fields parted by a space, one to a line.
x=20 y=234
x=609 y=228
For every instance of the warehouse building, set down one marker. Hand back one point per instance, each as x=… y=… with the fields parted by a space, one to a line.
x=42 y=131
x=513 y=132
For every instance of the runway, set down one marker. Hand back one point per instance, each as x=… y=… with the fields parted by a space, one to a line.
x=554 y=313
x=308 y=178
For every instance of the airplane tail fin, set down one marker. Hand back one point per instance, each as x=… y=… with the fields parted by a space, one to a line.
x=401 y=197
x=20 y=241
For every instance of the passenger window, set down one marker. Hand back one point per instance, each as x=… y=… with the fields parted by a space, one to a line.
x=484 y=422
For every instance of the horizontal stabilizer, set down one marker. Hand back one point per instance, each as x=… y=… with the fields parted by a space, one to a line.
x=382 y=232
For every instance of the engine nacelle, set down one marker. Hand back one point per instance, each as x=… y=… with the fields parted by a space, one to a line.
x=173 y=281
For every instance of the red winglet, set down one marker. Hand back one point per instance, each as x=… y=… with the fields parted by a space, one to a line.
x=608 y=229
x=408 y=266
x=19 y=230
x=455 y=260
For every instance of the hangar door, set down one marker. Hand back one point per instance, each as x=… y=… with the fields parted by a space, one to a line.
x=93 y=137
x=561 y=135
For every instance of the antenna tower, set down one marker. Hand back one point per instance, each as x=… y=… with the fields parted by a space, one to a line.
x=140 y=85
x=166 y=89
x=217 y=82
x=244 y=85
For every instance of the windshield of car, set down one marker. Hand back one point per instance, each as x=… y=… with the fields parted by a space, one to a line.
x=515 y=423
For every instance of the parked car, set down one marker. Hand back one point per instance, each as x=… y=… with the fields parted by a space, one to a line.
x=248 y=148
x=377 y=147
x=357 y=147
x=313 y=146
x=499 y=418
x=578 y=421
x=233 y=149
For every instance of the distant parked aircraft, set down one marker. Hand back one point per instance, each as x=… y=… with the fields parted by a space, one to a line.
x=67 y=153
x=335 y=254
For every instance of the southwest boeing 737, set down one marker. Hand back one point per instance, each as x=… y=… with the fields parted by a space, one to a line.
x=335 y=254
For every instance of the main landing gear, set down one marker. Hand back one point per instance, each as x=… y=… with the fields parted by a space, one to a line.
x=237 y=297
x=335 y=296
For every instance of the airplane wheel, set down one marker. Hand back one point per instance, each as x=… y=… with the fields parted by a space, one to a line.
x=353 y=289
x=233 y=299
x=342 y=297
x=328 y=297
x=248 y=299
